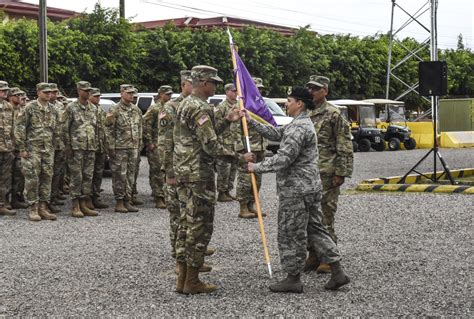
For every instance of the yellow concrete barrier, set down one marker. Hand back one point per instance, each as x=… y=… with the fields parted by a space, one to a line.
x=457 y=139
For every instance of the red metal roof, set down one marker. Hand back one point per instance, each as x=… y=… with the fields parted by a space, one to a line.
x=17 y=9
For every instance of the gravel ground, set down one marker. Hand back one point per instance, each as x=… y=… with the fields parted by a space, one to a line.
x=407 y=254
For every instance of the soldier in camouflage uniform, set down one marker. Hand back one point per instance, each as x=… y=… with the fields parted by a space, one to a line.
x=6 y=147
x=299 y=193
x=124 y=134
x=335 y=156
x=135 y=200
x=195 y=149
x=150 y=138
x=80 y=122
x=34 y=140
x=258 y=146
x=102 y=148
x=16 y=97
x=226 y=171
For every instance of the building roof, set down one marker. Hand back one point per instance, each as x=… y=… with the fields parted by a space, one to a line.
x=17 y=9
x=220 y=22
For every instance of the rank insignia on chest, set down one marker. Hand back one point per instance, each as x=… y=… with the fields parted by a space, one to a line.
x=203 y=120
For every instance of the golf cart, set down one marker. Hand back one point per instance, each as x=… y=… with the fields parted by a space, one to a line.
x=364 y=127
x=345 y=114
x=393 y=112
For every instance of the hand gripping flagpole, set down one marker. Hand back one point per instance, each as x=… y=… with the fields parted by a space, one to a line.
x=252 y=175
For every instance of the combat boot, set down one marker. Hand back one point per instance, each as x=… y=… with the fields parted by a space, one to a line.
x=193 y=285
x=119 y=207
x=17 y=203
x=323 y=269
x=76 y=210
x=98 y=203
x=53 y=209
x=33 y=215
x=135 y=201
x=292 y=283
x=86 y=210
x=129 y=207
x=6 y=212
x=160 y=203
x=181 y=272
x=338 y=277
x=44 y=212
x=88 y=202
x=312 y=262
x=209 y=251
x=245 y=212
x=252 y=209
x=205 y=267
x=223 y=197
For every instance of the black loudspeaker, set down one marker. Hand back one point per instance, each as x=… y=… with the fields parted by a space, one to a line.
x=433 y=78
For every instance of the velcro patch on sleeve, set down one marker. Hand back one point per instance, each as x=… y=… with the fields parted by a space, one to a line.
x=203 y=119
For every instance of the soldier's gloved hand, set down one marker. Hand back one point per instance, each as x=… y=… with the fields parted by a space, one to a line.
x=250 y=157
x=338 y=181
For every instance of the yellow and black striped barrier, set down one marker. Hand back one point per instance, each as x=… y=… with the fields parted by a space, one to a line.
x=390 y=184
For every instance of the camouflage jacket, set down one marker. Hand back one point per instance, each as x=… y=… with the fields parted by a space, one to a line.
x=334 y=140
x=35 y=128
x=124 y=126
x=100 y=131
x=80 y=122
x=58 y=135
x=150 y=124
x=166 y=122
x=231 y=135
x=195 y=141
x=7 y=125
x=295 y=164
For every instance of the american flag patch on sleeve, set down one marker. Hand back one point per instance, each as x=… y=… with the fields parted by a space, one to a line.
x=203 y=119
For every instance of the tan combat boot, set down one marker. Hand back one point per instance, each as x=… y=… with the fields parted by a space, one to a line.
x=129 y=207
x=193 y=285
x=160 y=203
x=323 y=269
x=6 y=212
x=98 y=203
x=312 y=262
x=205 y=267
x=245 y=212
x=88 y=202
x=224 y=197
x=181 y=272
x=33 y=215
x=44 y=212
x=209 y=251
x=76 y=210
x=251 y=206
x=86 y=210
x=119 y=207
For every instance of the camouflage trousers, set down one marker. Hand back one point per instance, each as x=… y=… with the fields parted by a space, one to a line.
x=59 y=168
x=172 y=204
x=137 y=171
x=226 y=173
x=99 y=165
x=6 y=166
x=81 y=168
x=244 y=184
x=18 y=180
x=123 y=164
x=319 y=239
x=329 y=204
x=38 y=171
x=156 y=175
x=196 y=222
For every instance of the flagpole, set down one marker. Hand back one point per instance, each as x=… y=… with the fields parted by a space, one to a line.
x=252 y=175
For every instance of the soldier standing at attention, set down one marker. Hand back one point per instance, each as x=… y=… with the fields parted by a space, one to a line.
x=226 y=171
x=195 y=149
x=124 y=134
x=335 y=157
x=7 y=121
x=135 y=200
x=299 y=193
x=150 y=138
x=16 y=97
x=102 y=148
x=34 y=139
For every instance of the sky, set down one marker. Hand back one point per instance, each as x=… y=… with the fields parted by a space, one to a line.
x=355 y=17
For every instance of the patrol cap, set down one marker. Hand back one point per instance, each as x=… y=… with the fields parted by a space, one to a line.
x=15 y=91
x=4 y=86
x=205 y=72
x=123 y=87
x=258 y=82
x=95 y=92
x=186 y=75
x=54 y=87
x=165 y=89
x=129 y=89
x=318 y=80
x=84 y=85
x=43 y=87
x=229 y=87
x=135 y=92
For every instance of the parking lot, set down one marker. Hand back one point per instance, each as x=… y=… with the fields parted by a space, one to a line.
x=406 y=253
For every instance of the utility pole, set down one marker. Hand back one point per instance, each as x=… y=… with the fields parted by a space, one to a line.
x=122 y=9
x=43 y=41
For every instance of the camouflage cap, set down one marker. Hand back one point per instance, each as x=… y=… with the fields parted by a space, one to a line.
x=123 y=87
x=43 y=87
x=61 y=97
x=318 y=80
x=230 y=87
x=4 y=86
x=165 y=89
x=129 y=89
x=95 y=92
x=16 y=91
x=54 y=87
x=205 y=72
x=84 y=85
x=186 y=75
x=135 y=92
x=258 y=82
